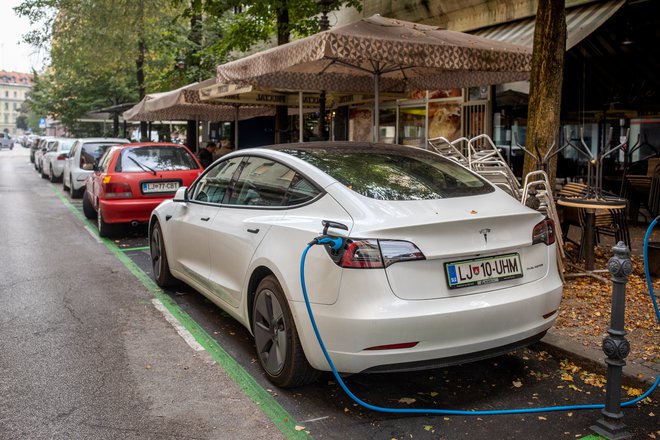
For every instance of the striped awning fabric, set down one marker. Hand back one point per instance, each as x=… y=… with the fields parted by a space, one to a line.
x=580 y=22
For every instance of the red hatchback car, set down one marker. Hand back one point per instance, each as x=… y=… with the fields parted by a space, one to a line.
x=130 y=180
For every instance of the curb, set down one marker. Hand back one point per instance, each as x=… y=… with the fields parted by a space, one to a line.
x=633 y=374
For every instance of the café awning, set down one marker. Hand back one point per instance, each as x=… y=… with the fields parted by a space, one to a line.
x=580 y=22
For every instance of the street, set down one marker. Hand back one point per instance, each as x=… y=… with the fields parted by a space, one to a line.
x=91 y=349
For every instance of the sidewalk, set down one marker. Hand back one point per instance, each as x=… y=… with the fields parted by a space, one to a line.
x=585 y=313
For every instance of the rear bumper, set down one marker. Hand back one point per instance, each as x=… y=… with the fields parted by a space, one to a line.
x=78 y=178
x=58 y=168
x=447 y=331
x=128 y=210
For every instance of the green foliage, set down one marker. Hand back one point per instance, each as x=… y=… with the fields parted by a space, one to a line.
x=96 y=46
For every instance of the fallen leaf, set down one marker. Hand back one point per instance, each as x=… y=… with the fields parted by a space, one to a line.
x=542 y=418
x=148 y=366
x=407 y=400
x=299 y=428
x=517 y=383
x=428 y=427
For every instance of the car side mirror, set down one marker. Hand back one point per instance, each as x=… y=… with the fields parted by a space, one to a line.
x=181 y=195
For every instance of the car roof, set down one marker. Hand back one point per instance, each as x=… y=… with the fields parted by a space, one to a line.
x=102 y=139
x=149 y=144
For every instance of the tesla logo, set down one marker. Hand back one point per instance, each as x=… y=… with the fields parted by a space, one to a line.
x=485 y=233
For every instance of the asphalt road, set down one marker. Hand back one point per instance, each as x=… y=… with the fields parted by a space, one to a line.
x=85 y=354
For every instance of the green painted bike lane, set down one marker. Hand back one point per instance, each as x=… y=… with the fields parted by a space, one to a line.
x=270 y=407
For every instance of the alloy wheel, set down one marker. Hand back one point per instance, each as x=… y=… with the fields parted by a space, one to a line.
x=270 y=332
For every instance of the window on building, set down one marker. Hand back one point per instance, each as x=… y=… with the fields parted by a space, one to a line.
x=15 y=94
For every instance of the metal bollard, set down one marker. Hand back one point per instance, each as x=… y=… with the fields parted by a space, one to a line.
x=616 y=347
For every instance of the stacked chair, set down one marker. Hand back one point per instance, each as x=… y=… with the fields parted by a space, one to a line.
x=485 y=159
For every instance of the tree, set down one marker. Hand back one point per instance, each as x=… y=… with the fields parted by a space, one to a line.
x=543 y=118
x=102 y=52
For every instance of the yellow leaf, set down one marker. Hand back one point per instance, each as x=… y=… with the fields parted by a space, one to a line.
x=433 y=393
x=407 y=400
x=428 y=427
x=542 y=418
x=517 y=383
x=299 y=428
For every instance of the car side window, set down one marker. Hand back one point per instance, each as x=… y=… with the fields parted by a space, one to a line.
x=214 y=185
x=74 y=148
x=105 y=161
x=265 y=182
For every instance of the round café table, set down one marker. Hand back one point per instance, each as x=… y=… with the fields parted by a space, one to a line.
x=590 y=206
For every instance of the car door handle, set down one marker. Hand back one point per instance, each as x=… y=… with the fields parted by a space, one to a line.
x=253 y=231
x=205 y=219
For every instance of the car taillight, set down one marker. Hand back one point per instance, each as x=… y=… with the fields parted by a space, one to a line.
x=544 y=232
x=375 y=254
x=62 y=156
x=116 y=189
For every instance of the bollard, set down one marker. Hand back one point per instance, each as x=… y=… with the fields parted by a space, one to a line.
x=616 y=347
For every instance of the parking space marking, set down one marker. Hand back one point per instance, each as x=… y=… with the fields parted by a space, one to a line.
x=141 y=248
x=180 y=329
x=262 y=398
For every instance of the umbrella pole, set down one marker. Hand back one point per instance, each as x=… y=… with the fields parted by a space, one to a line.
x=301 y=123
x=376 y=123
x=236 y=110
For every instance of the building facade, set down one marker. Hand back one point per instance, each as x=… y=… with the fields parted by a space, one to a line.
x=611 y=86
x=14 y=87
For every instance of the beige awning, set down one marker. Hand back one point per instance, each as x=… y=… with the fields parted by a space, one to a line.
x=580 y=22
x=184 y=104
x=252 y=95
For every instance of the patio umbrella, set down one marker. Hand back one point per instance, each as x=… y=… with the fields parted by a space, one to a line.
x=381 y=54
x=184 y=104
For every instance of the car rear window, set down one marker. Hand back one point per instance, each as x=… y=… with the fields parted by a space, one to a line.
x=155 y=158
x=394 y=173
x=91 y=151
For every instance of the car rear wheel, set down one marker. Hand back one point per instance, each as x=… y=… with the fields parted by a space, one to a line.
x=75 y=193
x=105 y=229
x=88 y=209
x=276 y=338
x=159 y=263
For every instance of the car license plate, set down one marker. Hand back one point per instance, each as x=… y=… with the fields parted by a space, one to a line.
x=160 y=187
x=483 y=270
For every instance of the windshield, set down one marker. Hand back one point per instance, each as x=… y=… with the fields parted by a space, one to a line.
x=155 y=158
x=394 y=173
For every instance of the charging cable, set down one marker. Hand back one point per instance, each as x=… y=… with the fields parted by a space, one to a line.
x=336 y=243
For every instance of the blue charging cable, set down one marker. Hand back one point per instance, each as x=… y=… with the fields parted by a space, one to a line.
x=336 y=243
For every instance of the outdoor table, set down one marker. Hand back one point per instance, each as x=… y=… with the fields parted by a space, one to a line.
x=590 y=206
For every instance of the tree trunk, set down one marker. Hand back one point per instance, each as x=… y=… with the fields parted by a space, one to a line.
x=139 y=65
x=543 y=121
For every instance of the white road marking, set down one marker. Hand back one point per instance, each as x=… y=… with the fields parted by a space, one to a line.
x=180 y=329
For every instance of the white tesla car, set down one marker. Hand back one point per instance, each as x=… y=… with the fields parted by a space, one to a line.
x=439 y=267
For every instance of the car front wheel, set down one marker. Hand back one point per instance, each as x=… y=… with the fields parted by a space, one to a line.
x=276 y=338
x=159 y=264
